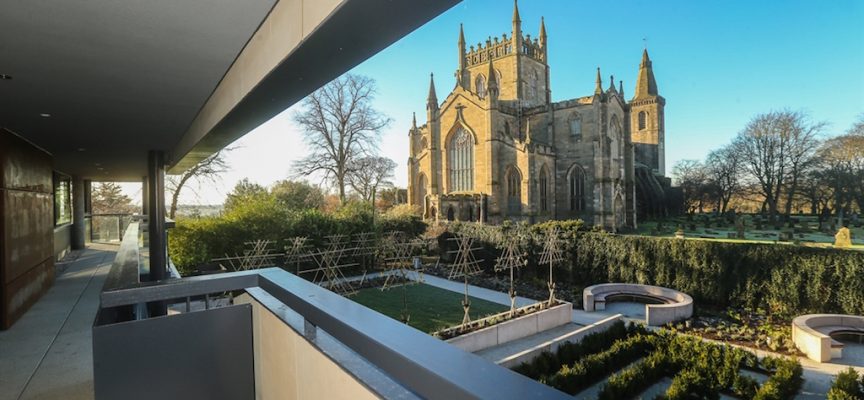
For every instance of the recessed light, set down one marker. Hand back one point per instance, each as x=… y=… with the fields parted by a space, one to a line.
x=99 y=168
x=5 y=77
x=97 y=164
x=45 y=115
x=81 y=149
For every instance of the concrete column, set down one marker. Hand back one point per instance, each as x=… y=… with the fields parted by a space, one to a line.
x=156 y=214
x=145 y=194
x=78 y=231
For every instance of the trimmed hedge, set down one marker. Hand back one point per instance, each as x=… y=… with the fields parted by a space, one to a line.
x=592 y=368
x=784 y=280
x=194 y=242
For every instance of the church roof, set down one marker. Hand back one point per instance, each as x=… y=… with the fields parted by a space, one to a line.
x=646 y=86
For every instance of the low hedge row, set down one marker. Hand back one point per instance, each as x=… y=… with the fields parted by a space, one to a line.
x=592 y=368
x=703 y=370
x=548 y=364
x=784 y=280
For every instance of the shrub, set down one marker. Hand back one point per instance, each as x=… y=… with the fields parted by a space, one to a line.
x=785 y=380
x=846 y=386
x=593 y=367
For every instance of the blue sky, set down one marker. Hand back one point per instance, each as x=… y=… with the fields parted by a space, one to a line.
x=717 y=63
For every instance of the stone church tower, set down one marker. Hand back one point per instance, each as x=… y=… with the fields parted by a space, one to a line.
x=497 y=148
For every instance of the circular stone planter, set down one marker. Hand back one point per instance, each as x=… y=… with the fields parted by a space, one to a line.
x=811 y=334
x=673 y=305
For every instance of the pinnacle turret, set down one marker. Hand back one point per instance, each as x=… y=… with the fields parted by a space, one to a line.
x=432 y=100
x=598 y=88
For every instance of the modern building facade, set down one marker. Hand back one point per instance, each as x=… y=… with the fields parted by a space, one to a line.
x=497 y=147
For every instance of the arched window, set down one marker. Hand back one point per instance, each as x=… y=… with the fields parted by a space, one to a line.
x=480 y=84
x=514 y=190
x=617 y=137
x=421 y=188
x=643 y=117
x=575 y=125
x=543 y=182
x=535 y=86
x=577 y=188
x=461 y=161
x=498 y=77
x=423 y=143
x=507 y=129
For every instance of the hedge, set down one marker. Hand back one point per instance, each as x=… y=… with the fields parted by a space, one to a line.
x=781 y=279
x=197 y=241
x=846 y=386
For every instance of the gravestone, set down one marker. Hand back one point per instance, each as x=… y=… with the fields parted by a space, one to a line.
x=679 y=234
x=739 y=227
x=843 y=238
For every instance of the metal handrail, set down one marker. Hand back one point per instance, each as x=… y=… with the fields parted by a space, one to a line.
x=417 y=361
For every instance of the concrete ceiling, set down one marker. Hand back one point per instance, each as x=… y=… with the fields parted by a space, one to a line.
x=119 y=78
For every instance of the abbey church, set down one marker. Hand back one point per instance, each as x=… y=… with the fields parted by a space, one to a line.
x=497 y=148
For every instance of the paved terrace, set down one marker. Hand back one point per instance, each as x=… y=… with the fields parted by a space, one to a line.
x=48 y=353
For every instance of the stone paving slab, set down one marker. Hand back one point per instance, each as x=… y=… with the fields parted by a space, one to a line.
x=48 y=353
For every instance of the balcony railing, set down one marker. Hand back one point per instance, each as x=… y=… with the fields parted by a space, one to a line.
x=277 y=335
x=107 y=228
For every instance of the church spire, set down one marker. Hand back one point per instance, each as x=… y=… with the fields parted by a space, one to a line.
x=611 y=83
x=414 y=120
x=621 y=88
x=461 y=73
x=432 y=100
x=598 y=88
x=646 y=86
x=542 y=29
x=517 y=21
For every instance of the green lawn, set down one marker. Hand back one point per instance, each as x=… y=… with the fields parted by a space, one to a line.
x=430 y=308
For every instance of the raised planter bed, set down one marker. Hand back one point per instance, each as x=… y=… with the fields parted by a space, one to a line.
x=500 y=328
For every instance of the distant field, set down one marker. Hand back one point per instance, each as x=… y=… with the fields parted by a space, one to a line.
x=430 y=308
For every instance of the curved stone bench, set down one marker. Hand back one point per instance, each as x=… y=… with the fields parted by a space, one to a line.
x=811 y=334
x=674 y=305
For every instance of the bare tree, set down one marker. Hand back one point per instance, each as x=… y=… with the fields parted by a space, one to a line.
x=340 y=126
x=207 y=169
x=690 y=175
x=724 y=172
x=368 y=174
x=843 y=169
x=776 y=149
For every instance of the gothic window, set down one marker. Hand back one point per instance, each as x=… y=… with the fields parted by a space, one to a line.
x=532 y=86
x=421 y=188
x=480 y=84
x=575 y=125
x=615 y=134
x=577 y=188
x=543 y=182
x=643 y=116
x=461 y=160
x=423 y=143
x=498 y=77
x=507 y=129
x=514 y=190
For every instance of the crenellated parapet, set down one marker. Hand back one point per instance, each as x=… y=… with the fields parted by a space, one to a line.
x=496 y=48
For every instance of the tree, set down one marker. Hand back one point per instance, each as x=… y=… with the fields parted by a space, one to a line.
x=244 y=191
x=298 y=195
x=108 y=198
x=723 y=171
x=340 y=126
x=843 y=169
x=207 y=169
x=692 y=178
x=776 y=148
x=368 y=174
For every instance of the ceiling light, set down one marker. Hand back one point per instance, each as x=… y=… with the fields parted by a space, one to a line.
x=97 y=164
x=4 y=77
x=99 y=168
x=81 y=149
x=45 y=115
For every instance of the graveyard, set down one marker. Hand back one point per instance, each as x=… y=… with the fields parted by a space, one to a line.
x=803 y=229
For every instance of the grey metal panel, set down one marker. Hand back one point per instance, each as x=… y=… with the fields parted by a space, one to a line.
x=178 y=288
x=423 y=364
x=198 y=355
